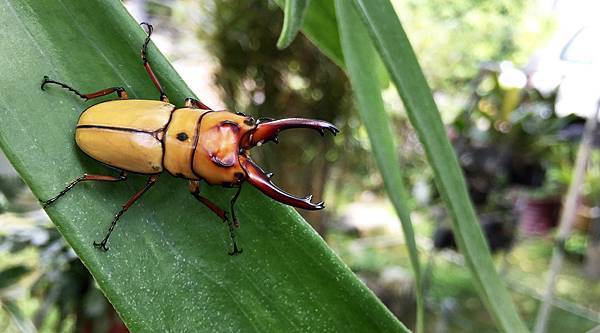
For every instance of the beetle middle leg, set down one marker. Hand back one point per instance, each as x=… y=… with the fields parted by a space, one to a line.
x=163 y=97
x=195 y=191
x=86 y=177
x=151 y=181
x=119 y=90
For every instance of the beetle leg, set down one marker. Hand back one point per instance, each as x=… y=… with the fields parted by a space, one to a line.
x=191 y=102
x=195 y=190
x=119 y=90
x=163 y=97
x=236 y=223
x=85 y=177
x=151 y=181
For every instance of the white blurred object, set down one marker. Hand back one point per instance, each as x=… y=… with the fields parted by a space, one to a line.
x=422 y=192
x=137 y=9
x=511 y=77
x=571 y=61
x=579 y=91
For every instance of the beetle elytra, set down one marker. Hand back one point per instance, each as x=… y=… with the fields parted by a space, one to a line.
x=194 y=143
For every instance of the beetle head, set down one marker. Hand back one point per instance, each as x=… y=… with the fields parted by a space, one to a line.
x=222 y=154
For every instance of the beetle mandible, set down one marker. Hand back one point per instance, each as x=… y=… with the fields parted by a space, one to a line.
x=194 y=142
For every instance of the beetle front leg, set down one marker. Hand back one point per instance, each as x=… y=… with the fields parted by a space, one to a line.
x=85 y=177
x=119 y=90
x=232 y=208
x=151 y=181
x=192 y=102
x=195 y=191
x=144 y=52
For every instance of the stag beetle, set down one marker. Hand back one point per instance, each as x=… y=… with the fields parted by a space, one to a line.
x=194 y=142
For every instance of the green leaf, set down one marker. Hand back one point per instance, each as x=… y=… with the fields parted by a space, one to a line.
x=168 y=268
x=20 y=321
x=362 y=69
x=392 y=43
x=11 y=275
x=321 y=28
x=294 y=12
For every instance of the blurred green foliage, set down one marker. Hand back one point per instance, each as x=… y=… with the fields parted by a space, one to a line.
x=452 y=38
x=56 y=291
x=452 y=300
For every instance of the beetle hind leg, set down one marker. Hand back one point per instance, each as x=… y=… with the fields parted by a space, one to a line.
x=85 y=177
x=119 y=90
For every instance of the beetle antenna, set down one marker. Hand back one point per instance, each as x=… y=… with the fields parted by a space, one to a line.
x=47 y=81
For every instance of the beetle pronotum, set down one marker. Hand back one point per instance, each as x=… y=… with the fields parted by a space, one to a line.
x=194 y=142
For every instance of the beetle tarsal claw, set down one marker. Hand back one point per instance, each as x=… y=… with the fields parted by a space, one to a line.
x=44 y=81
x=101 y=245
x=236 y=250
x=259 y=179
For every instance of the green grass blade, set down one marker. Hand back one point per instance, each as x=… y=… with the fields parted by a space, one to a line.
x=320 y=27
x=361 y=67
x=19 y=320
x=168 y=268
x=393 y=46
x=294 y=12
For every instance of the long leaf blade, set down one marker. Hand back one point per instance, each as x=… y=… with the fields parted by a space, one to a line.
x=395 y=49
x=20 y=321
x=294 y=13
x=168 y=268
x=361 y=67
x=320 y=27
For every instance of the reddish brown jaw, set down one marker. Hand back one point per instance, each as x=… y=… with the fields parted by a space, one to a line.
x=257 y=177
x=269 y=130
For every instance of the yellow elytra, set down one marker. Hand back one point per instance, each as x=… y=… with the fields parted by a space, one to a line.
x=149 y=137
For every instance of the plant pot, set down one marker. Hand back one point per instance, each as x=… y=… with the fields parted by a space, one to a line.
x=538 y=216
